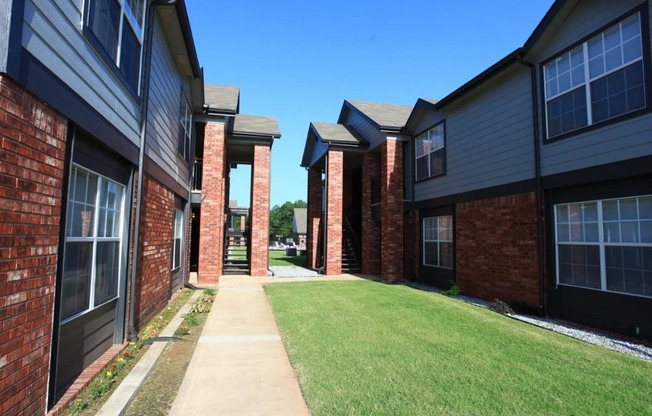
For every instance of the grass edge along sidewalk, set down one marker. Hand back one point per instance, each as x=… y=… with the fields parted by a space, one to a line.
x=370 y=348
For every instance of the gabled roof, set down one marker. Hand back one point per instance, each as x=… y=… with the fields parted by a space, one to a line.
x=557 y=8
x=386 y=117
x=300 y=221
x=335 y=133
x=222 y=99
x=250 y=126
x=323 y=136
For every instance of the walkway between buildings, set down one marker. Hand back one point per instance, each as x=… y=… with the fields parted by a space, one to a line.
x=240 y=366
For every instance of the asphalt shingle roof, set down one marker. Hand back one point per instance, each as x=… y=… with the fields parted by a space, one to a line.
x=222 y=98
x=330 y=132
x=385 y=115
x=256 y=125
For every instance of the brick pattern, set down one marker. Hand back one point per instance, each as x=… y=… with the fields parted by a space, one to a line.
x=33 y=140
x=370 y=239
x=155 y=249
x=313 y=254
x=212 y=216
x=391 y=179
x=334 y=200
x=260 y=182
x=496 y=245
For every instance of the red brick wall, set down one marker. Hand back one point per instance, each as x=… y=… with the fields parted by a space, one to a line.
x=155 y=249
x=391 y=177
x=32 y=138
x=313 y=217
x=370 y=229
x=334 y=199
x=212 y=217
x=260 y=177
x=496 y=245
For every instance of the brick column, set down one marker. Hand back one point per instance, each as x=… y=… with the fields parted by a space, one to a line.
x=334 y=199
x=212 y=217
x=260 y=181
x=391 y=177
x=370 y=238
x=313 y=220
x=32 y=143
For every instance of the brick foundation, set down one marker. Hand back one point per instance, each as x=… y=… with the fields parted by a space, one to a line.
x=391 y=179
x=33 y=140
x=155 y=250
x=212 y=216
x=313 y=224
x=260 y=181
x=370 y=261
x=334 y=199
x=496 y=246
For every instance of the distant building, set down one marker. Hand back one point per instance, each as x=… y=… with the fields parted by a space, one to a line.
x=299 y=227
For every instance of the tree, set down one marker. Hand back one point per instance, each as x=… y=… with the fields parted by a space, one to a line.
x=280 y=218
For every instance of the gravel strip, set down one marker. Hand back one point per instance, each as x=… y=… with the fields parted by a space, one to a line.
x=292 y=271
x=636 y=350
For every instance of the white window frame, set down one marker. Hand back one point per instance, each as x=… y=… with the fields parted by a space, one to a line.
x=601 y=241
x=126 y=15
x=185 y=130
x=437 y=238
x=426 y=143
x=94 y=239
x=587 y=80
x=177 y=238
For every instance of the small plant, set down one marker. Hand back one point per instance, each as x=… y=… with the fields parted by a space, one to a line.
x=501 y=307
x=204 y=303
x=183 y=329
x=454 y=290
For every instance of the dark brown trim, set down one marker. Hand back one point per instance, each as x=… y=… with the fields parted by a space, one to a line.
x=634 y=186
x=487 y=74
x=609 y=172
x=39 y=80
x=528 y=185
x=54 y=347
x=158 y=173
x=16 y=10
x=647 y=74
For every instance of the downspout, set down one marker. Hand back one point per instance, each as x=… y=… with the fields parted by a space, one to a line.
x=132 y=334
x=539 y=187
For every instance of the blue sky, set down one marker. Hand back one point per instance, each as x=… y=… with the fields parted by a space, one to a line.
x=298 y=60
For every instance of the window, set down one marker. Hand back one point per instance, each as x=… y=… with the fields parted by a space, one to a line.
x=598 y=80
x=117 y=26
x=438 y=241
x=606 y=245
x=93 y=242
x=185 y=131
x=430 y=152
x=177 y=239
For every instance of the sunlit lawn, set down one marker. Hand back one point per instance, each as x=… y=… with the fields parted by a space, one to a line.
x=279 y=258
x=367 y=348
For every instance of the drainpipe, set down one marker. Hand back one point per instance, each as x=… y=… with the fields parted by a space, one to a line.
x=539 y=187
x=132 y=334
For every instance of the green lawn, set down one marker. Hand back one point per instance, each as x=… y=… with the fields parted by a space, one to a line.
x=367 y=348
x=278 y=258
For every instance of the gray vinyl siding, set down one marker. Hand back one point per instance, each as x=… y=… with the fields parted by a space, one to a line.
x=365 y=129
x=603 y=144
x=52 y=34
x=489 y=138
x=164 y=114
x=408 y=170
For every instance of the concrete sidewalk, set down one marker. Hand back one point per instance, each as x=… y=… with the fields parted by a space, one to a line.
x=240 y=366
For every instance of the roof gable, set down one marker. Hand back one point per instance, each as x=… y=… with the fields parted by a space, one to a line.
x=391 y=117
